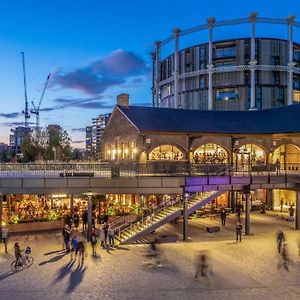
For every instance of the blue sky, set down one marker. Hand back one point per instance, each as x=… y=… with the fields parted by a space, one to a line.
x=96 y=49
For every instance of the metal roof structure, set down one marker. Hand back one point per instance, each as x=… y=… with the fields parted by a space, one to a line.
x=266 y=121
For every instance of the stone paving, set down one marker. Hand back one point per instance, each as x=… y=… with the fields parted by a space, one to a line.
x=243 y=270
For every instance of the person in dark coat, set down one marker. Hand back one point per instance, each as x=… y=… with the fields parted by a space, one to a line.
x=76 y=220
x=238 y=231
x=223 y=217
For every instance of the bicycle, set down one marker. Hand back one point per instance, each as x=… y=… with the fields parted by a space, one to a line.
x=23 y=261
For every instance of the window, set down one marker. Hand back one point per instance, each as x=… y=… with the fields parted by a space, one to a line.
x=225 y=63
x=227 y=94
x=225 y=52
x=258 y=97
x=296 y=83
x=275 y=78
x=275 y=60
x=202 y=81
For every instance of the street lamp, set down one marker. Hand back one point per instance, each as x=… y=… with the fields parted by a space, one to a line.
x=185 y=216
x=89 y=231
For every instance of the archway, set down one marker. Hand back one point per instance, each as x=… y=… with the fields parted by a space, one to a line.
x=288 y=155
x=250 y=156
x=209 y=153
x=166 y=152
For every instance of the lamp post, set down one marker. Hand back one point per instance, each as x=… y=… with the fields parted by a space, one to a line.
x=89 y=231
x=246 y=190
x=185 y=216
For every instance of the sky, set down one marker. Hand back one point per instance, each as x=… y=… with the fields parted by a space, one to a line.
x=97 y=49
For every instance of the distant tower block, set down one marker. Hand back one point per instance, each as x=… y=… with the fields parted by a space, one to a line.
x=123 y=99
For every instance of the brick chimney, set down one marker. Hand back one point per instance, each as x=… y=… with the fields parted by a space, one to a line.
x=123 y=99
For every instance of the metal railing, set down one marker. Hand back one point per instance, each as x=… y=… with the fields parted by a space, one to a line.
x=174 y=168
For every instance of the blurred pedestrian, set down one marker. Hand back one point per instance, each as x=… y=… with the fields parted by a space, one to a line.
x=202 y=265
x=5 y=237
x=285 y=258
x=111 y=236
x=66 y=236
x=155 y=253
x=223 y=216
x=280 y=240
x=94 y=242
x=238 y=231
x=80 y=251
x=102 y=236
x=76 y=219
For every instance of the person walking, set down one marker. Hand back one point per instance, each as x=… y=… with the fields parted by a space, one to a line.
x=223 y=217
x=67 y=235
x=280 y=240
x=238 y=231
x=202 y=265
x=4 y=237
x=94 y=242
x=102 y=236
x=111 y=236
x=84 y=220
x=76 y=219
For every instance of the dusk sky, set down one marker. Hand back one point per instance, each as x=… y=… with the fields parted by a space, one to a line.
x=96 y=49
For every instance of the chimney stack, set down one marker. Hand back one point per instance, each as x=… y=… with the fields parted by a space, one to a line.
x=123 y=99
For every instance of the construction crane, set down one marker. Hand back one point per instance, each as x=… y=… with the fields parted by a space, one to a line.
x=25 y=112
x=36 y=109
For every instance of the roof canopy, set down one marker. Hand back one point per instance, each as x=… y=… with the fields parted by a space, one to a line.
x=265 y=121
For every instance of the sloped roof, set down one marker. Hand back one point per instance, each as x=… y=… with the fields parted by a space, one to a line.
x=266 y=121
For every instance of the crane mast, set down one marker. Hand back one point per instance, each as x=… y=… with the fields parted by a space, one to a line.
x=26 y=111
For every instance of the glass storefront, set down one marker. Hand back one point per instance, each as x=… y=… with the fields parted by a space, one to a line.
x=209 y=153
x=166 y=152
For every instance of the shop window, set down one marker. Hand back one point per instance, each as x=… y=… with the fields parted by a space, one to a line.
x=210 y=153
x=227 y=94
x=166 y=152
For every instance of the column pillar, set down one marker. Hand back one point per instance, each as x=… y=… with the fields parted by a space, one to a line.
x=185 y=216
x=291 y=64
x=176 y=33
x=89 y=231
x=72 y=203
x=253 y=61
x=211 y=22
x=157 y=72
x=297 y=218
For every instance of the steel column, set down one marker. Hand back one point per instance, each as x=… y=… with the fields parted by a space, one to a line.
x=157 y=72
x=176 y=32
x=89 y=231
x=247 y=214
x=253 y=61
x=297 y=218
x=211 y=22
x=291 y=20
x=185 y=216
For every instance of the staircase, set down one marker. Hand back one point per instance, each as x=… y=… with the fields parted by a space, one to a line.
x=131 y=232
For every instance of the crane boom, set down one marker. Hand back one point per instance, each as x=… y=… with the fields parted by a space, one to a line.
x=25 y=112
x=43 y=92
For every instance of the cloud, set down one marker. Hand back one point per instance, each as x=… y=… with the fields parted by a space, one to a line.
x=10 y=115
x=82 y=129
x=93 y=102
x=110 y=71
x=14 y=124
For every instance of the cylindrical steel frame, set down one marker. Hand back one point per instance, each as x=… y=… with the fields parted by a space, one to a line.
x=210 y=69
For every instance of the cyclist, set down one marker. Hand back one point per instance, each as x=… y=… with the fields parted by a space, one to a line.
x=17 y=251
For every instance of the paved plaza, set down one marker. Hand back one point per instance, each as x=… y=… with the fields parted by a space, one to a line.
x=243 y=270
